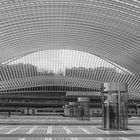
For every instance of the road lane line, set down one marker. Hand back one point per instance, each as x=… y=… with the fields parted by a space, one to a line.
x=48 y=138
x=67 y=130
x=9 y=132
x=74 y=138
x=49 y=130
x=31 y=130
x=86 y=131
x=21 y=139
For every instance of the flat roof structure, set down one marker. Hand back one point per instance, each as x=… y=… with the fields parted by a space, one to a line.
x=81 y=94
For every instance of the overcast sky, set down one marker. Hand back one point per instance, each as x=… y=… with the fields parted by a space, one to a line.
x=58 y=60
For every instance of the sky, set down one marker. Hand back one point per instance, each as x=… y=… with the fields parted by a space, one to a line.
x=59 y=60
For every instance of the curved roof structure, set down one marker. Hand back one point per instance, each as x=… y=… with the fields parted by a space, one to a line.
x=109 y=29
x=63 y=70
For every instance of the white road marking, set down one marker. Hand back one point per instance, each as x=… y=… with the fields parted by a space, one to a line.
x=74 y=138
x=86 y=131
x=31 y=130
x=21 y=139
x=9 y=132
x=48 y=138
x=67 y=130
x=49 y=130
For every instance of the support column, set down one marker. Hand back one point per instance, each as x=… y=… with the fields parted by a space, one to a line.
x=73 y=106
x=114 y=105
x=66 y=111
x=83 y=108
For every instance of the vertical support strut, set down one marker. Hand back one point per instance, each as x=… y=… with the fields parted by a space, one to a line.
x=84 y=112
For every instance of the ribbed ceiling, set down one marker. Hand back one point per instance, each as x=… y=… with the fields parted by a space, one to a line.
x=63 y=70
x=109 y=29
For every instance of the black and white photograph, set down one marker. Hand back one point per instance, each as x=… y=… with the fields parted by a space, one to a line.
x=69 y=69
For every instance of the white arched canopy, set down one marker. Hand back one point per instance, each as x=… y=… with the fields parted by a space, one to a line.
x=109 y=29
x=63 y=70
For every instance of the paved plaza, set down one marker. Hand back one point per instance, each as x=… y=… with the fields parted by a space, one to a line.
x=74 y=132
x=48 y=128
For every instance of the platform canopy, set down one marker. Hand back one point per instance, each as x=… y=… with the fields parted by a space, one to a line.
x=83 y=94
x=109 y=29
